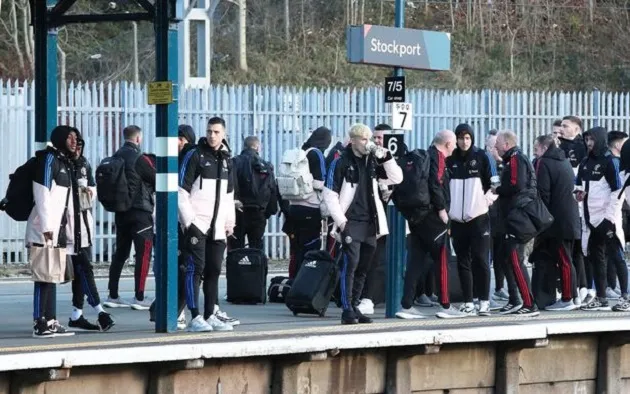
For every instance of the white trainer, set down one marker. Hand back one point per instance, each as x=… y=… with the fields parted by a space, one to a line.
x=199 y=325
x=218 y=325
x=181 y=321
x=366 y=306
x=410 y=313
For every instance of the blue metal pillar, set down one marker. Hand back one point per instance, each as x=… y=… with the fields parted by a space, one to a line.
x=45 y=74
x=166 y=269
x=396 y=242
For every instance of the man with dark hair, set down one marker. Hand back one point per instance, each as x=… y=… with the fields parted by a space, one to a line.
x=572 y=143
x=136 y=225
x=555 y=183
x=207 y=214
x=185 y=135
x=255 y=195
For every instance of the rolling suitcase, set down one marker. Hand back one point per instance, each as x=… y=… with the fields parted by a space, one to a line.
x=279 y=287
x=314 y=284
x=246 y=273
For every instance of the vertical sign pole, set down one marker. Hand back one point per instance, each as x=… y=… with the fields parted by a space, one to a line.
x=45 y=74
x=166 y=180
x=396 y=244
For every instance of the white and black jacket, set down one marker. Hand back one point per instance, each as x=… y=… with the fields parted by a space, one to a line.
x=51 y=184
x=341 y=186
x=83 y=170
x=470 y=180
x=206 y=191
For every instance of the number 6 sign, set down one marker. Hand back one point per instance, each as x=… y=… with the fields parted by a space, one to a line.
x=402 y=115
x=393 y=143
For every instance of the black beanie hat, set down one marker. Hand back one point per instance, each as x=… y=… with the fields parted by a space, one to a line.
x=59 y=135
x=186 y=132
x=464 y=128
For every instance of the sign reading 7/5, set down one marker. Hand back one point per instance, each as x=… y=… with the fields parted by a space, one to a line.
x=394 y=89
x=402 y=115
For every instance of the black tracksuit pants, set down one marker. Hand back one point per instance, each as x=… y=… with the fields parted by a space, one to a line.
x=516 y=272
x=203 y=258
x=374 y=288
x=45 y=301
x=471 y=241
x=600 y=246
x=427 y=236
x=497 y=264
x=617 y=269
x=357 y=257
x=83 y=283
x=560 y=252
x=584 y=276
x=250 y=223
x=307 y=231
x=132 y=227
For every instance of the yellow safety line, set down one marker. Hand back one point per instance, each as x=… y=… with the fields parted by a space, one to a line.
x=320 y=330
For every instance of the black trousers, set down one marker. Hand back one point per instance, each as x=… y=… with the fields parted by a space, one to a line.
x=603 y=250
x=374 y=288
x=497 y=264
x=203 y=258
x=559 y=254
x=307 y=232
x=45 y=301
x=617 y=269
x=83 y=283
x=428 y=236
x=471 y=242
x=502 y=258
x=132 y=227
x=426 y=282
x=250 y=223
x=516 y=272
x=356 y=260
x=583 y=276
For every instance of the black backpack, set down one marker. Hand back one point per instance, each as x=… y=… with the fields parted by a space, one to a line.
x=19 y=201
x=256 y=185
x=412 y=194
x=112 y=187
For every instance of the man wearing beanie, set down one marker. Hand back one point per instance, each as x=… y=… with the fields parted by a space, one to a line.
x=472 y=173
x=185 y=136
x=52 y=219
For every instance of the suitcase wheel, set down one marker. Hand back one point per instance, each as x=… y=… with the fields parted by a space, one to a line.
x=295 y=313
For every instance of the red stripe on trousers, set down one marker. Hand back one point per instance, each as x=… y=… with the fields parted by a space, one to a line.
x=513 y=170
x=566 y=274
x=441 y=167
x=444 y=275
x=144 y=270
x=522 y=284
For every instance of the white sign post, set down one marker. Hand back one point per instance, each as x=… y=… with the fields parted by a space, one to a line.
x=402 y=116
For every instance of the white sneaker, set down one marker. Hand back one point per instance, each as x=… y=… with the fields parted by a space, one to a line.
x=199 y=325
x=225 y=318
x=562 y=306
x=469 y=309
x=583 y=293
x=611 y=295
x=181 y=321
x=116 y=303
x=484 y=308
x=218 y=325
x=410 y=313
x=451 y=313
x=366 y=306
x=424 y=301
x=494 y=306
x=143 y=305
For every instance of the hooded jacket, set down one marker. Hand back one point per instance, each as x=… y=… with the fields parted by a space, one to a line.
x=334 y=153
x=343 y=181
x=140 y=174
x=318 y=142
x=516 y=180
x=598 y=176
x=52 y=187
x=206 y=190
x=574 y=150
x=186 y=132
x=471 y=172
x=83 y=170
x=555 y=183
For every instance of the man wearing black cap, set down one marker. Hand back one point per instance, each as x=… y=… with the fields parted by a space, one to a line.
x=185 y=136
x=472 y=173
x=598 y=184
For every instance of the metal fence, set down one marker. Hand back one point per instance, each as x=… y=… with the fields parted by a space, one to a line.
x=282 y=118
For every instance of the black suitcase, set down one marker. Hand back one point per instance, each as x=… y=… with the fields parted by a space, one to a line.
x=246 y=272
x=279 y=287
x=314 y=284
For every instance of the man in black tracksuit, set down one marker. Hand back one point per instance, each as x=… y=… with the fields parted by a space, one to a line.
x=83 y=283
x=351 y=195
x=555 y=182
x=572 y=143
x=471 y=174
x=515 y=181
x=255 y=194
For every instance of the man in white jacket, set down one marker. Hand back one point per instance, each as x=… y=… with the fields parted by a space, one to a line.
x=351 y=195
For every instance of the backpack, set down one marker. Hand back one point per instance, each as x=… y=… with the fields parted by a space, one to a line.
x=295 y=181
x=412 y=194
x=19 y=200
x=256 y=183
x=112 y=187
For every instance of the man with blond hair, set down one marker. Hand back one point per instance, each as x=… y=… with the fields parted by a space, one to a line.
x=351 y=195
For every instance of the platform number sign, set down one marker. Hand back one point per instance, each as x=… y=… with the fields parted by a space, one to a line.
x=393 y=143
x=402 y=115
x=395 y=89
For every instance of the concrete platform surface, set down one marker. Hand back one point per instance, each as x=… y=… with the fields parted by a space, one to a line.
x=265 y=330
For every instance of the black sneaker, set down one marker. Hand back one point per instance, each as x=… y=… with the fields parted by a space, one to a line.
x=349 y=317
x=623 y=306
x=83 y=324
x=597 y=304
x=527 y=312
x=41 y=329
x=361 y=317
x=509 y=308
x=58 y=330
x=152 y=312
x=105 y=321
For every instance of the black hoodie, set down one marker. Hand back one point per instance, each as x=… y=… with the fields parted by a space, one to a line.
x=320 y=139
x=555 y=182
x=574 y=150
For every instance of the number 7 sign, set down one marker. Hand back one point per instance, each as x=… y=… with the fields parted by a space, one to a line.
x=402 y=116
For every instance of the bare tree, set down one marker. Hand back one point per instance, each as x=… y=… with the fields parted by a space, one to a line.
x=242 y=35
x=287 y=22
